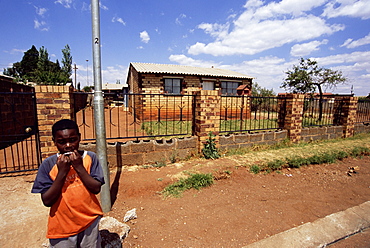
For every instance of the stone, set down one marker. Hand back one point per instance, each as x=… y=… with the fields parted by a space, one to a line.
x=112 y=232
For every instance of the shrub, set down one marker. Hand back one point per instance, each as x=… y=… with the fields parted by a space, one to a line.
x=210 y=151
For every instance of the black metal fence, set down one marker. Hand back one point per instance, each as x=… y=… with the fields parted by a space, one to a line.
x=139 y=116
x=19 y=137
x=324 y=112
x=251 y=113
x=363 y=111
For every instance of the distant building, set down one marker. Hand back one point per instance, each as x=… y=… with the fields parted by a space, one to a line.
x=179 y=79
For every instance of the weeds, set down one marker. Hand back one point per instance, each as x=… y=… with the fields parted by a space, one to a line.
x=210 y=150
x=297 y=162
x=196 y=181
x=255 y=169
x=160 y=164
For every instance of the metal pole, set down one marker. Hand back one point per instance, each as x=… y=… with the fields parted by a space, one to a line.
x=101 y=146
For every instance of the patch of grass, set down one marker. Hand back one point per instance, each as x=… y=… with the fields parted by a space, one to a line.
x=157 y=128
x=255 y=169
x=196 y=181
x=160 y=164
x=359 y=151
x=297 y=161
x=276 y=164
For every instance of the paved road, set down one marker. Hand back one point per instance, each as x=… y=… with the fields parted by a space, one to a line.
x=359 y=240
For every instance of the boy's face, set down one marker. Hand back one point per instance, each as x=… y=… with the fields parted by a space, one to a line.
x=67 y=140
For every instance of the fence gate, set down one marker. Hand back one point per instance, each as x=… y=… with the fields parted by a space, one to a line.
x=19 y=137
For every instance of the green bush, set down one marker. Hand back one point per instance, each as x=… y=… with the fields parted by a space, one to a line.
x=210 y=151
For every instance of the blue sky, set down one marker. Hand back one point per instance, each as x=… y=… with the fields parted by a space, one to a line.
x=262 y=39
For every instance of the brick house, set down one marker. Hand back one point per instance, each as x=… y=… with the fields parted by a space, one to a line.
x=179 y=79
x=180 y=82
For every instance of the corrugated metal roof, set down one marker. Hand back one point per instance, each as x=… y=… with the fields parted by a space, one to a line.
x=186 y=70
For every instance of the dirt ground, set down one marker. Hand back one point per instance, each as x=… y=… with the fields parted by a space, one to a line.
x=234 y=212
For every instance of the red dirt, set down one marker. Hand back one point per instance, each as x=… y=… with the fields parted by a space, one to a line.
x=238 y=210
x=233 y=212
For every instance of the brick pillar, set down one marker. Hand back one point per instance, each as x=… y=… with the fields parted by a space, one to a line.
x=345 y=108
x=207 y=116
x=53 y=103
x=293 y=116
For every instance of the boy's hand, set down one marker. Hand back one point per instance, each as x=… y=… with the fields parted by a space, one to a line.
x=76 y=160
x=64 y=164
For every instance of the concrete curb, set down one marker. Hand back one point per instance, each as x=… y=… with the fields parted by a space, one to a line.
x=322 y=231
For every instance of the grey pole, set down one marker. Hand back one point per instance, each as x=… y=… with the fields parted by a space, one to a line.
x=101 y=145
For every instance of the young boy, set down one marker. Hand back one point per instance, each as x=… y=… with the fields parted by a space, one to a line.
x=68 y=182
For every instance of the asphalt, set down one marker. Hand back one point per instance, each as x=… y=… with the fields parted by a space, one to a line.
x=321 y=232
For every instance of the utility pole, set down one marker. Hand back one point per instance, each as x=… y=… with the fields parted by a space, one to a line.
x=101 y=145
x=75 y=68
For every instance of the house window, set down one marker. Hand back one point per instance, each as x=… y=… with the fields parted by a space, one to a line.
x=207 y=85
x=229 y=88
x=172 y=85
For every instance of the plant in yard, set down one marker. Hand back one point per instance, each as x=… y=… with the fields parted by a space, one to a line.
x=360 y=151
x=255 y=169
x=159 y=164
x=173 y=157
x=195 y=181
x=210 y=150
x=277 y=164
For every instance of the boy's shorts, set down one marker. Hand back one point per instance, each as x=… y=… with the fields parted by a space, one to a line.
x=87 y=238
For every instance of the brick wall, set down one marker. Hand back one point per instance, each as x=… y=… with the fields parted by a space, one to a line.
x=56 y=102
x=53 y=103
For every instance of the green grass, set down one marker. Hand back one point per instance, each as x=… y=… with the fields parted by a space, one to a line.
x=248 y=124
x=155 y=128
x=297 y=161
x=195 y=181
x=309 y=121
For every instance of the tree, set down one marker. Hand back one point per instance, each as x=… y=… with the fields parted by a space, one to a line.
x=29 y=63
x=67 y=61
x=258 y=90
x=307 y=77
x=37 y=67
x=262 y=98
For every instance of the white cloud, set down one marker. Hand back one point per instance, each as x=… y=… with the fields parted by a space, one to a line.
x=40 y=11
x=350 y=43
x=103 y=7
x=184 y=60
x=15 y=51
x=269 y=71
x=262 y=27
x=144 y=36
x=178 y=19
x=40 y=25
x=113 y=73
x=301 y=50
x=65 y=3
x=110 y=74
x=119 y=19
x=352 y=8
